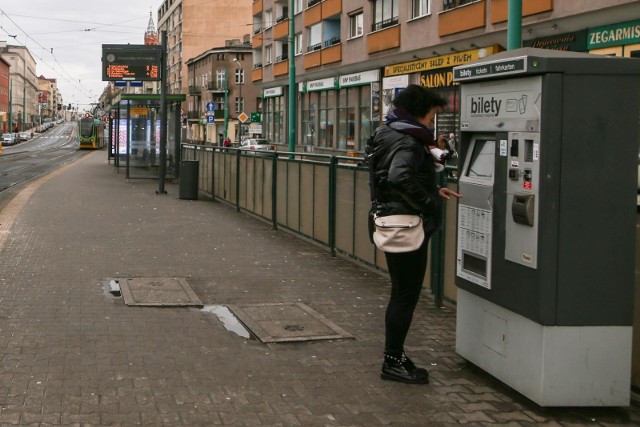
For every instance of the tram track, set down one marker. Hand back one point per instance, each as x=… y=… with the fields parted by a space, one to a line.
x=40 y=155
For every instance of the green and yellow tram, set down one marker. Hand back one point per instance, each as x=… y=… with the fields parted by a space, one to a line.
x=90 y=133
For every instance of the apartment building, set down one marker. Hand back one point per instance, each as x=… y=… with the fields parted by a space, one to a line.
x=23 y=85
x=4 y=95
x=217 y=84
x=352 y=56
x=194 y=26
x=49 y=98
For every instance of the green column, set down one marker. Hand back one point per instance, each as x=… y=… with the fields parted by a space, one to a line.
x=292 y=78
x=514 y=25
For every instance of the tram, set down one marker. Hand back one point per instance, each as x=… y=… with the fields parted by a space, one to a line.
x=90 y=133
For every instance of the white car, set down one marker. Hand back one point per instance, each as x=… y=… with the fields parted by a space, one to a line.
x=8 y=139
x=24 y=136
x=256 y=144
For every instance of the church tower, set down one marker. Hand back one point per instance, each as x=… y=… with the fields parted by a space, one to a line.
x=151 y=35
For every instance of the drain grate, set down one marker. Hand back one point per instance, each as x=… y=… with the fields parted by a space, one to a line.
x=287 y=322
x=158 y=291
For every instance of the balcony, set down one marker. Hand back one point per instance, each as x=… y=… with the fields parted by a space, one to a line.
x=312 y=15
x=256 y=74
x=257 y=7
x=529 y=7
x=257 y=40
x=332 y=41
x=462 y=18
x=313 y=3
x=195 y=90
x=331 y=54
x=281 y=68
x=193 y=114
x=314 y=47
x=281 y=30
x=388 y=38
x=215 y=87
x=377 y=26
x=312 y=59
x=257 y=65
x=331 y=8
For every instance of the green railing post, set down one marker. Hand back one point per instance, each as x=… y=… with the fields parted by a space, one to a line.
x=274 y=190
x=333 y=168
x=238 y=180
x=437 y=254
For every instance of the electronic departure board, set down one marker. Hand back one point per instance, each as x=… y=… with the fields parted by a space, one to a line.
x=131 y=62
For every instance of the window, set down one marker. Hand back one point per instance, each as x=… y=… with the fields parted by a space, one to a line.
x=420 y=8
x=298 y=43
x=268 y=18
x=239 y=76
x=220 y=78
x=268 y=54
x=314 y=37
x=239 y=105
x=355 y=25
x=297 y=6
x=385 y=14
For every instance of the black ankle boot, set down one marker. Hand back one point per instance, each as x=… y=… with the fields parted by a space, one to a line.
x=403 y=369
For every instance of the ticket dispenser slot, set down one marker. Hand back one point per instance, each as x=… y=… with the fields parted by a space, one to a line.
x=522 y=178
x=522 y=209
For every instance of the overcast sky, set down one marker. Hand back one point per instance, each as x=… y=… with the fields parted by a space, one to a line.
x=65 y=37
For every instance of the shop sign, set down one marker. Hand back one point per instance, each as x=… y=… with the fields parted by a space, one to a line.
x=272 y=91
x=453 y=59
x=357 y=79
x=570 y=42
x=437 y=78
x=323 y=84
x=614 y=35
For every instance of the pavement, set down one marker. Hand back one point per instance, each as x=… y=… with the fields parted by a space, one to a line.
x=75 y=354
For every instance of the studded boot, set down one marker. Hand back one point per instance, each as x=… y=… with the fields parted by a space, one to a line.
x=401 y=368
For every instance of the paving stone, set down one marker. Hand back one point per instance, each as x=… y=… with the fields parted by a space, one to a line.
x=73 y=354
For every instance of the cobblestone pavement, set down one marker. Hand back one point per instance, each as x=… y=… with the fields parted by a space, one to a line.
x=74 y=354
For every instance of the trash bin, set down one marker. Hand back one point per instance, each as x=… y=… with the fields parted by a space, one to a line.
x=189 y=179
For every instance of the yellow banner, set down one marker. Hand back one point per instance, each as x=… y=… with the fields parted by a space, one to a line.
x=451 y=60
x=142 y=111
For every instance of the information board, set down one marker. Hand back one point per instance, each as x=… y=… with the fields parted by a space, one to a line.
x=131 y=62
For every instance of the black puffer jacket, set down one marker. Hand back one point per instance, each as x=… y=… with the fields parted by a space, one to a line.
x=404 y=177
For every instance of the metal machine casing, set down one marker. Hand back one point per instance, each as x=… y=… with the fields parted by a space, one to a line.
x=557 y=255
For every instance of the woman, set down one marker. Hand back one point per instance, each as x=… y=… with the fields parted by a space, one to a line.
x=404 y=182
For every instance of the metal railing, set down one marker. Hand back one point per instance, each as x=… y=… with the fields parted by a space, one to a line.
x=320 y=197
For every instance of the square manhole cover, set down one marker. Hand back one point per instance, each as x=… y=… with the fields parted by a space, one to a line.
x=285 y=322
x=158 y=291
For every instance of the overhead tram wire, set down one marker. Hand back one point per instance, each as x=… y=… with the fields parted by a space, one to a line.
x=69 y=78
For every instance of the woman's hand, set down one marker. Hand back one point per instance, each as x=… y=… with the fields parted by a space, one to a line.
x=446 y=194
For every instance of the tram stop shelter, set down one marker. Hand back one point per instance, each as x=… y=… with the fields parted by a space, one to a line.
x=134 y=137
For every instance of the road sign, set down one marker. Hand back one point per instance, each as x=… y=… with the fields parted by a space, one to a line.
x=211 y=120
x=243 y=117
x=256 y=117
x=210 y=106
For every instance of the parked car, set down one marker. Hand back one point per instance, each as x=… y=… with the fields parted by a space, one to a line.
x=24 y=136
x=8 y=139
x=256 y=144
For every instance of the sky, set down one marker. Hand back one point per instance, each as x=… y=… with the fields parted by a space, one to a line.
x=65 y=38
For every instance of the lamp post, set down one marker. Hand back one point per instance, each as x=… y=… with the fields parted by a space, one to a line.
x=239 y=82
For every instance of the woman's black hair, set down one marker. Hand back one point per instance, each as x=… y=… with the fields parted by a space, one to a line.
x=417 y=100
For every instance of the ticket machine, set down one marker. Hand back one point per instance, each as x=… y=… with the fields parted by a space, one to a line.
x=546 y=226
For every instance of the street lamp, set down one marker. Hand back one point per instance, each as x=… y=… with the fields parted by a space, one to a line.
x=239 y=82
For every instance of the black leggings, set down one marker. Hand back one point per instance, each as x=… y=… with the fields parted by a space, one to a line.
x=407 y=271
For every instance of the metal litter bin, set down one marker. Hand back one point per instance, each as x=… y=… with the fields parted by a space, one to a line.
x=189 y=179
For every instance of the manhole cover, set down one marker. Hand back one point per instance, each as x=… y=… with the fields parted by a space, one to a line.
x=158 y=291
x=284 y=322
